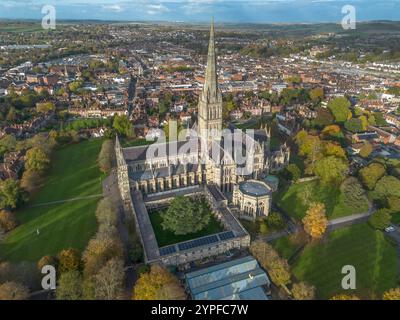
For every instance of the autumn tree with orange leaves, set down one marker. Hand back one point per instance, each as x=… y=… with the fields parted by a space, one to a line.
x=315 y=221
x=158 y=284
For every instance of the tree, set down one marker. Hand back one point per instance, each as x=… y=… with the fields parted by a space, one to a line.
x=31 y=180
x=354 y=194
x=277 y=267
x=345 y=297
x=303 y=291
x=331 y=131
x=340 y=109
x=47 y=261
x=158 y=284
x=324 y=118
x=385 y=187
x=7 y=143
x=354 y=125
x=69 y=286
x=10 y=194
x=392 y=294
x=294 y=172
x=109 y=281
x=306 y=194
x=69 y=260
x=2 y=233
x=186 y=216
x=393 y=204
x=37 y=160
x=23 y=273
x=41 y=140
x=105 y=213
x=263 y=227
x=332 y=170
x=13 y=291
x=8 y=221
x=98 y=252
x=123 y=126
x=11 y=115
x=370 y=175
x=379 y=119
x=380 y=219
x=333 y=149
x=315 y=221
x=75 y=85
x=106 y=156
x=311 y=147
x=316 y=94
x=275 y=221
x=45 y=107
x=366 y=150
x=364 y=123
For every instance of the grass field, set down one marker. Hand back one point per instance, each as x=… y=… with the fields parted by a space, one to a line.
x=285 y=247
x=74 y=173
x=291 y=201
x=372 y=255
x=126 y=143
x=166 y=237
x=14 y=28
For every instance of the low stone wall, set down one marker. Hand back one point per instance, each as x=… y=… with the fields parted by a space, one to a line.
x=139 y=205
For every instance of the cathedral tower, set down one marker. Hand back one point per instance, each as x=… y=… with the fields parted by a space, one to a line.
x=210 y=100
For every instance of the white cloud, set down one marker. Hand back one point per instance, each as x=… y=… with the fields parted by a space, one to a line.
x=113 y=7
x=154 y=9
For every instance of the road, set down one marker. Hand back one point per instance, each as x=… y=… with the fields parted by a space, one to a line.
x=131 y=94
x=350 y=220
x=332 y=224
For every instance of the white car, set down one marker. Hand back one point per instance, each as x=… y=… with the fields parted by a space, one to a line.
x=390 y=229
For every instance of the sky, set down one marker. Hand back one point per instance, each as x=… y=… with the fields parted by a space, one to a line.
x=239 y=11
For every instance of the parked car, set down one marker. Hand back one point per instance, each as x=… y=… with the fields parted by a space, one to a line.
x=390 y=229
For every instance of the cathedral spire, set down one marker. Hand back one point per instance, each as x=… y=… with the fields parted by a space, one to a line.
x=210 y=100
x=210 y=89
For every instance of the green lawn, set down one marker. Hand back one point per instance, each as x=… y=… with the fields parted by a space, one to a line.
x=291 y=201
x=166 y=237
x=285 y=247
x=126 y=143
x=74 y=173
x=372 y=255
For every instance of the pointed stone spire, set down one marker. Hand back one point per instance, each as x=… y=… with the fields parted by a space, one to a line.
x=211 y=93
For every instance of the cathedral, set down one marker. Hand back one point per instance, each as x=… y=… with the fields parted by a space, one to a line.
x=203 y=158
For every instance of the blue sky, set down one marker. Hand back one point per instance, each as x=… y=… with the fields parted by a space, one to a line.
x=257 y=11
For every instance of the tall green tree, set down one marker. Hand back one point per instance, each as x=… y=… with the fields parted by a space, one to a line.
x=123 y=126
x=386 y=187
x=370 y=175
x=106 y=156
x=354 y=125
x=185 y=215
x=324 y=118
x=70 y=286
x=37 y=160
x=332 y=170
x=380 y=219
x=340 y=109
x=10 y=194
